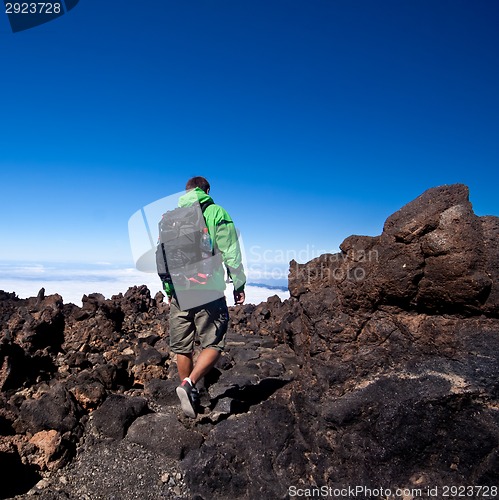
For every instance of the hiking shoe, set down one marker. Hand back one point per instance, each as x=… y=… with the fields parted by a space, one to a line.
x=189 y=398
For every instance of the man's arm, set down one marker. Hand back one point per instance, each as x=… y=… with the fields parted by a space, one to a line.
x=227 y=242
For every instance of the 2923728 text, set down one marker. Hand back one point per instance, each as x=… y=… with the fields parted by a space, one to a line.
x=33 y=8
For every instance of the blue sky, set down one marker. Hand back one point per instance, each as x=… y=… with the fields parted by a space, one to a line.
x=312 y=119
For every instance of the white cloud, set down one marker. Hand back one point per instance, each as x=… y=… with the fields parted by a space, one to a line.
x=73 y=283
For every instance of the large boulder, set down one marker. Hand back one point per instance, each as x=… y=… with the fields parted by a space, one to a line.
x=113 y=418
x=164 y=434
x=434 y=255
x=54 y=409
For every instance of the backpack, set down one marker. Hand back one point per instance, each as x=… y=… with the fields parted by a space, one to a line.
x=182 y=257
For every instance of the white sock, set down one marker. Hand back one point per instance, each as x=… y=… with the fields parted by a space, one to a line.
x=189 y=380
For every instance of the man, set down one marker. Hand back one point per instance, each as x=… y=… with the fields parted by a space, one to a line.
x=209 y=320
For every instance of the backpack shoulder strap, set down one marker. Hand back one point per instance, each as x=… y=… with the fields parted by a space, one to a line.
x=206 y=204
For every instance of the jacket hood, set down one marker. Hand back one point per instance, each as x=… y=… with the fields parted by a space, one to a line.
x=193 y=196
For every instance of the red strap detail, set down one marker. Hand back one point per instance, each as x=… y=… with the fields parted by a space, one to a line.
x=194 y=280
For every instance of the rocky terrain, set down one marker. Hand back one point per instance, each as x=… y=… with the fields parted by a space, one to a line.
x=379 y=373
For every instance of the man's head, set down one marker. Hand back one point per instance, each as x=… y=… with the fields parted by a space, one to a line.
x=198 y=182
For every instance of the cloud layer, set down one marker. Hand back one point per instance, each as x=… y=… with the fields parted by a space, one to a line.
x=72 y=282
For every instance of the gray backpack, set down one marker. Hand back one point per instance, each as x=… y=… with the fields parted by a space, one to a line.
x=184 y=246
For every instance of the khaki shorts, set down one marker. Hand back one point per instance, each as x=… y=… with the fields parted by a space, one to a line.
x=209 y=321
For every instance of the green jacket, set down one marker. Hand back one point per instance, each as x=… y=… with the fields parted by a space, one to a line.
x=224 y=237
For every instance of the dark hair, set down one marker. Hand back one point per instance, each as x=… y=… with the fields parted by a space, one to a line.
x=198 y=182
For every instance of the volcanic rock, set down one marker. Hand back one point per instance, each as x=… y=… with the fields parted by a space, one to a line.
x=116 y=414
x=54 y=409
x=398 y=341
x=163 y=433
x=379 y=371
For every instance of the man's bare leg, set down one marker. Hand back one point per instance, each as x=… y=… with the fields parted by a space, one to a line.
x=205 y=362
x=184 y=365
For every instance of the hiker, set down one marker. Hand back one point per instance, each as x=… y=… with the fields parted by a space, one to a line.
x=197 y=303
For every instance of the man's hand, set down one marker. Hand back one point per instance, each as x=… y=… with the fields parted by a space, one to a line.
x=239 y=298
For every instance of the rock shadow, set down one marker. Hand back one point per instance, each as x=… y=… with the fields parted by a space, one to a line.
x=21 y=478
x=243 y=398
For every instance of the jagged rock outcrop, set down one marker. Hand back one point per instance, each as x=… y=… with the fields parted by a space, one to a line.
x=397 y=337
x=60 y=363
x=107 y=387
x=380 y=371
